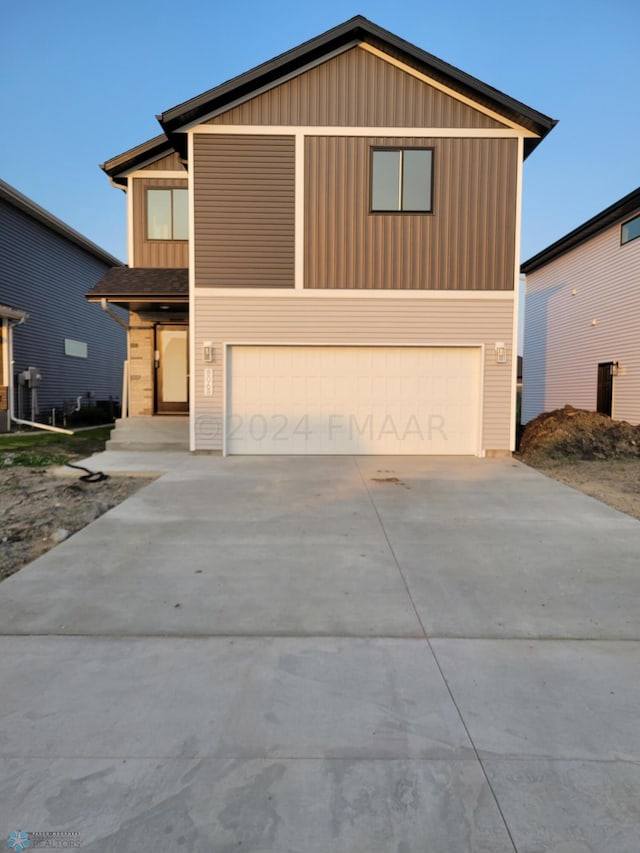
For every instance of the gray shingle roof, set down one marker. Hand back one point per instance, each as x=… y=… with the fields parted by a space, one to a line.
x=142 y=283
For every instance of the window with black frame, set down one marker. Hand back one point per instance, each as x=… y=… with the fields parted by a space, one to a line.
x=630 y=230
x=402 y=180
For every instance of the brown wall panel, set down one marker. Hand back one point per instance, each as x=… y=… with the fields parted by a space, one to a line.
x=170 y=163
x=467 y=243
x=244 y=210
x=163 y=254
x=356 y=89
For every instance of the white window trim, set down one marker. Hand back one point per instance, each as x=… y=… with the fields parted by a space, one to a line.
x=392 y=132
x=516 y=295
x=192 y=292
x=346 y=293
x=152 y=174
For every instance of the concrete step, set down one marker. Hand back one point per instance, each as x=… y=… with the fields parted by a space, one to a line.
x=161 y=432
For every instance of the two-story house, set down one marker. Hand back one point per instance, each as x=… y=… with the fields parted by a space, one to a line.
x=324 y=255
x=583 y=318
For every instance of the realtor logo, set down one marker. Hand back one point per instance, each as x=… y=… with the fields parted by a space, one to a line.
x=18 y=840
x=21 y=840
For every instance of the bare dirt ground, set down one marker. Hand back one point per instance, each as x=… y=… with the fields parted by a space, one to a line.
x=588 y=451
x=38 y=510
x=614 y=482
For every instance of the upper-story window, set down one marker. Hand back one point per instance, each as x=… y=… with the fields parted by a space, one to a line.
x=401 y=180
x=167 y=214
x=630 y=230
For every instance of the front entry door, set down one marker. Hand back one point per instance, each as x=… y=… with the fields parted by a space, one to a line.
x=172 y=360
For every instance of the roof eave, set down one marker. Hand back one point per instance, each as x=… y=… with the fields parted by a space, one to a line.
x=21 y=202
x=133 y=297
x=615 y=213
x=16 y=314
x=147 y=152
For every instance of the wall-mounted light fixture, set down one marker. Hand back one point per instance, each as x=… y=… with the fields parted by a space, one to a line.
x=501 y=353
x=615 y=368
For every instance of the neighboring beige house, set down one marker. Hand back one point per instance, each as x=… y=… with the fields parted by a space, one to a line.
x=582 y=319
x=336 y=234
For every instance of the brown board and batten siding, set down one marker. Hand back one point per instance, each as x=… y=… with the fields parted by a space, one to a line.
x=244 y=207
x=353 y=321
x=467 y=243
x=170 y=163
x=167 y=254
x=356 y=89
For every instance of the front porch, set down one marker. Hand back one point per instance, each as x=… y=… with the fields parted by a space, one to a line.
x=162 y=432
x=155 y=396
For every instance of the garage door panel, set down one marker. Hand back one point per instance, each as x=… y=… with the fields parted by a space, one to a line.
x=361 y=400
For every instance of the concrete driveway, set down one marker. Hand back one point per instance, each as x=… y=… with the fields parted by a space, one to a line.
x=329 y=654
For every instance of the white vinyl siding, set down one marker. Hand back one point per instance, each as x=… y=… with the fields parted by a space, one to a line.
x=254 y=320
x=598 y=281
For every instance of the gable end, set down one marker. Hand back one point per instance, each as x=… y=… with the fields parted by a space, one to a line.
x=355 y=89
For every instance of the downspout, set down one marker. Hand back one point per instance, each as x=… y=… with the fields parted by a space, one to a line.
x=104 y=304
x=12 y=418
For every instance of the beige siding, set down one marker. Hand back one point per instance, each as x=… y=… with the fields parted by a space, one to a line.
x=170 y=163
x=356 y=89
x=163 y=254
x=466 y=244
x=563 y=347
x=344 y=320
x=244 y=211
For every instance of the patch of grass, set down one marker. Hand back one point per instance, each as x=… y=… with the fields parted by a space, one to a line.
x=31 y=460
x=39 y=450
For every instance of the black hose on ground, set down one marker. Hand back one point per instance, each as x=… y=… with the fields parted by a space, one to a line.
x=90 y=476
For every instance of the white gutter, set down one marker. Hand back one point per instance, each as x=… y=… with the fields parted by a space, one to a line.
x=17 y=318
x=104 y=304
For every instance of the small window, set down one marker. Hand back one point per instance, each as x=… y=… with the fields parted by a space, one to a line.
x=401 y=180
x=167 y=215
x=630 y=230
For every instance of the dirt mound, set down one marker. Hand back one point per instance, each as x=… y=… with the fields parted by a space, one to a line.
x=579 y=434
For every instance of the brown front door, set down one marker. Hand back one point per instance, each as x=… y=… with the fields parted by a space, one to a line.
x=605 y=387
x=172 y=366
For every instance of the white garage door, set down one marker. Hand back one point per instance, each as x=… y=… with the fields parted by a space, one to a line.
x=360 y=400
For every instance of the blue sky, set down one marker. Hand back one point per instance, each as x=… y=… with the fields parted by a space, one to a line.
x=82 y=82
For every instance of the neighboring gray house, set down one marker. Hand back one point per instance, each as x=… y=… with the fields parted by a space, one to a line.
x=582 y=319
x=45 y=322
